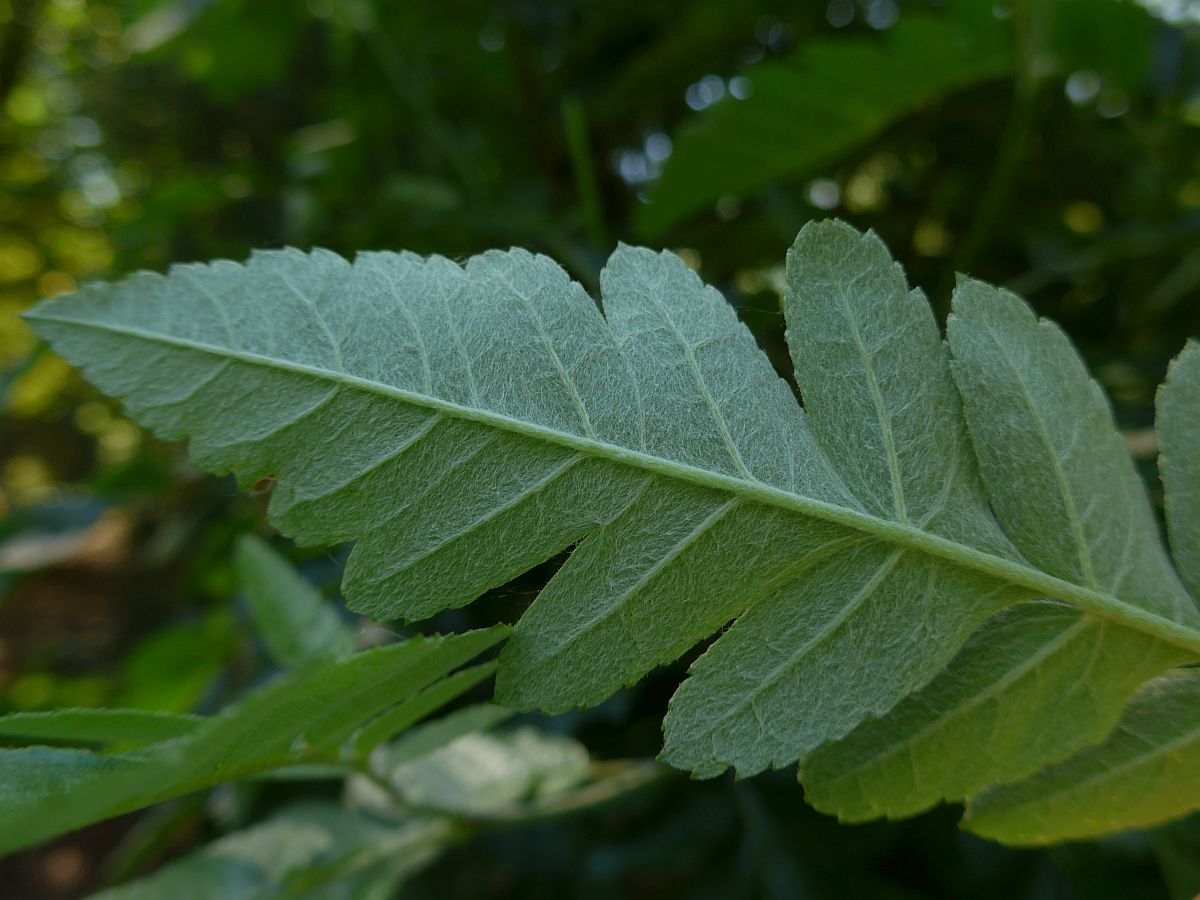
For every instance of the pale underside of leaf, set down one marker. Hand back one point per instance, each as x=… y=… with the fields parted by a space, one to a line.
x=1036 y=683
x=464 y=424
x=1041 y=430
x=315 y=845
x=1072 y=501
x=1145 y=773
x=1179 y=461
x=877 y=389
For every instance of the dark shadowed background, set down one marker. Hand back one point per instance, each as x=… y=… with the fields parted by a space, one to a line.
x=1053 y=147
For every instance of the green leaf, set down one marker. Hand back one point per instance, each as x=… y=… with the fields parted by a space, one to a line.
x=1036 y=683
x=425 y=739
x=175 y=667
x=315 y=845
x=98 y=726
x=387 y=725
x=465 y=423
x=835 y=94
x=880 y=400
x=1058 y=475
x=828 y=99
x=1142 y=775
x=1179 y=438
x=295 y=622
x=292 y=720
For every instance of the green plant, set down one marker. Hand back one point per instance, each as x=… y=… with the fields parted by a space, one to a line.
x=943 y=573
x=409 y=791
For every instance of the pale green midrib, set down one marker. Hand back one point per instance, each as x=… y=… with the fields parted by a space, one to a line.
x=904 y=535
x=1156 y=751
x=1009 y=677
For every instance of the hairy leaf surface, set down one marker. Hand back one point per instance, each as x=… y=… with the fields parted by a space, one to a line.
x=1039 y=682
x=1031 y=687
x=1057 y=471
x=1145 y=773
x=465 y=423
x=1179 y=462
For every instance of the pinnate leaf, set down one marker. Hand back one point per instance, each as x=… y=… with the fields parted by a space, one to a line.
x=1036 y=683
x=465 y=423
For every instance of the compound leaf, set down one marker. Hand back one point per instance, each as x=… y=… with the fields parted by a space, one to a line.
x=1036 y=683
x=1057 y=471
x=465 y=423
x=1039 y=683
x=873 y=372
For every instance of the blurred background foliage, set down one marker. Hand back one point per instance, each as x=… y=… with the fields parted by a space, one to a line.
x=1049 y=145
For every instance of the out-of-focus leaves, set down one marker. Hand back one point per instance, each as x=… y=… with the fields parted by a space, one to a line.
x=836 y=93
x=302 y=717
x=174 y=667
x=480 y=773
x=98 y=726
x=831 y=97
x=295 y=622
x=310 y=850
x=425 y=739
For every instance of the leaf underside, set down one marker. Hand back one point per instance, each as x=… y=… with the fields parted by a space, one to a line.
x=1179 y=437
x=1143 y=774
x=465 y=423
